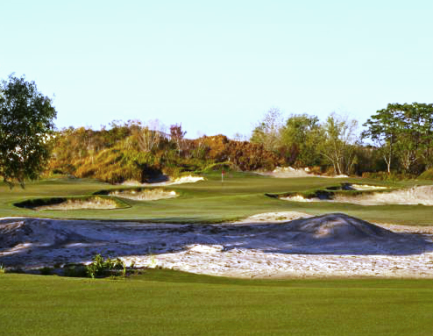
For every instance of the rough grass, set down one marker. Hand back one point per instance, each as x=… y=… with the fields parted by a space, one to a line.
x=183 y=304
x=241 y=195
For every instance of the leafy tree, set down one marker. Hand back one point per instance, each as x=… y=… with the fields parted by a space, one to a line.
x=302 y=133
x=338 y=147
x=383 y=129
x=404 y=131
x=26 y=123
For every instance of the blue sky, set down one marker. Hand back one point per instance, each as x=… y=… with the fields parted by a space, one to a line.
x=218 y=66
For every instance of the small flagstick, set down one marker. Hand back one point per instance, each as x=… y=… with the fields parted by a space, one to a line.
x=222 y=176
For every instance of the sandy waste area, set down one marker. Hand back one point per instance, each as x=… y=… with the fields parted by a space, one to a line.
x=273 y=245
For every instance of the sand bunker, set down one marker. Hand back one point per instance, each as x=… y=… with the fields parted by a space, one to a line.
x=145 y=194
x=98 y=203
x=413 y=196
x=178 y=180
x=328 y=245
x=289 y=172
x=274 y=217
x=365 y=187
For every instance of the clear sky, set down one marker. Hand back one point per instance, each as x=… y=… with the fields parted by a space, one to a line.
x=218 y=66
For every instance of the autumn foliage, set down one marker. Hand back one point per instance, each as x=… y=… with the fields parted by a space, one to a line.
x=133 y=151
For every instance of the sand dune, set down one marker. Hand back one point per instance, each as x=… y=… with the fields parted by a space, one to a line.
x=328 y=245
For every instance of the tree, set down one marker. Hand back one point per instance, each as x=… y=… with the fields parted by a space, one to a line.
x=268 y=131
x=302 y=133
x=26 y=123
x=403 y=131
x=177 y=135
x=338 y=147
x=383 y=128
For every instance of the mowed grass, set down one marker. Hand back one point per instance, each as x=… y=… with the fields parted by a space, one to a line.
x=241 y=195
x=161 y=302
x=184 y=304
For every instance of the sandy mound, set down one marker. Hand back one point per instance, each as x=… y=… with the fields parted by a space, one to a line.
x=77 y=204
x=144 y=195
x=328 y=245
x=179 y=180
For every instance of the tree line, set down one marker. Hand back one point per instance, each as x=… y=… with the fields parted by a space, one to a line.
x=395 y=141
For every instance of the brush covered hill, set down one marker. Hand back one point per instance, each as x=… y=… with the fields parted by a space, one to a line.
x=132 y=152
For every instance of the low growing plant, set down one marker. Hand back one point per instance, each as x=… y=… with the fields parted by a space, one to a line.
x=100 y=267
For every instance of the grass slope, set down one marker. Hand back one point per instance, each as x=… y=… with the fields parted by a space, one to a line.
x=182 y=304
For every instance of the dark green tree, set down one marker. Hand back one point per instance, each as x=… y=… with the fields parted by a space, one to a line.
x=403 y=131
x=383 y=128
x=26 y=123
x=303 y=133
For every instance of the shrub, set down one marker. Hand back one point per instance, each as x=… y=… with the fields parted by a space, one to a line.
x=384 y=176
x=75 y=270
x=46 y=271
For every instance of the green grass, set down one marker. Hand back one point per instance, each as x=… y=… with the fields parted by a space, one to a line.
x=242 y=194
x=161 y=302
x=182 y=304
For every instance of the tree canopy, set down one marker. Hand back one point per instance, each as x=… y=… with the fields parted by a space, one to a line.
x=26 y=123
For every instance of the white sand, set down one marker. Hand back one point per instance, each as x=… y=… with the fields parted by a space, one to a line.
x=412 y=196
x=325 y=246
x=145 y=195
x=274 y=217
x=77 y=204
x=290 y=172
x=179 y=180
x=366 y=187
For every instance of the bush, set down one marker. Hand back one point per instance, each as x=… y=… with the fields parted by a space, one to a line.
x=75 y=270
x=46 y=271
x=384 y=176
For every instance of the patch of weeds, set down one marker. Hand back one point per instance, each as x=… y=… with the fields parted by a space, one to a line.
x=2 y=269
x=101 y=267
